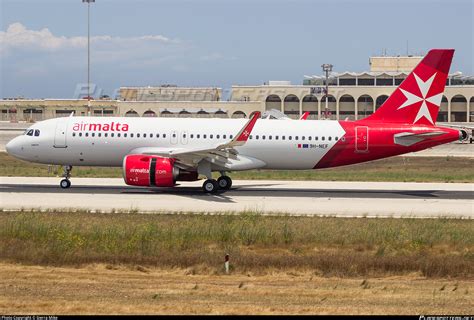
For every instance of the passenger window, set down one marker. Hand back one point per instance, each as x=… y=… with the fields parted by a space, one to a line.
x=296 y=137
x=93 y=134
x=309 y=138
x=164 y=135
x=106 y=134
x=250 y=137
x=329 y=138
x=256 y=137
x=73 y=134
x=80 y=134
x=184 y=135
x=118 y=135
x=174 y=135
x=157 y=135
x=224 y=136
x=323 y=138
x=211 y=136
x=192 y=136
x=37 y=133
x=112 y=134
x=269 y=137
x=290 y=137
x=282 y=137
x=263 y=137
x=99 y=134
x=302 y=138
x=151 y=135
x=336 y=138
x=204 y=136
x=144 y=135
x=124 y=135
x=316 y=138
x=276 y=137
x=138 y=135
x=231 y=136
x=30 y=132
x=198 y=136
x=87 y=134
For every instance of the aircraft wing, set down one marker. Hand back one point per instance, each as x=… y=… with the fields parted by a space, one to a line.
x=221 y=154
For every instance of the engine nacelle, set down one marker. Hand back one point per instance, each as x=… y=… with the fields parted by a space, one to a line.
x=149 y=171
x=463 y=135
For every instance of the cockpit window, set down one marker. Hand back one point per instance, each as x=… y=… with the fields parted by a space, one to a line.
x=30 y=132
x=37 y=133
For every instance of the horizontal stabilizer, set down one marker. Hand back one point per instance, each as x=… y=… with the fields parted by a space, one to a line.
x=409 y=138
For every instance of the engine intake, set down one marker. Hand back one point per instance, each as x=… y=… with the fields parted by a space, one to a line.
x=148 y=171
x=463 y=135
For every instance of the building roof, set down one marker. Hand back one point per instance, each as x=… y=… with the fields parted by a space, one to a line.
x=347 y=74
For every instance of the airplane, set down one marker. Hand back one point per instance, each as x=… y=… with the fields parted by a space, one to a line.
x=159 y=152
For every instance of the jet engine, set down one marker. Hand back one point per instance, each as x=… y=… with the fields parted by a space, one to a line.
x=153 y=171
x=463 y=135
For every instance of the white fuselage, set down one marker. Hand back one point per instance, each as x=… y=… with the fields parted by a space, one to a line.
x=97 y=141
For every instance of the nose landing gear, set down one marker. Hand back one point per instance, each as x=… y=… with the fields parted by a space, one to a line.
x=65 y=183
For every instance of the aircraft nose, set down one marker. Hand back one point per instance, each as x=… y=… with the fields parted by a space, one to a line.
x=13 y=147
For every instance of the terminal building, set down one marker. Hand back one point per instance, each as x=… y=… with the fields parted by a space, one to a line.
x=351 y=95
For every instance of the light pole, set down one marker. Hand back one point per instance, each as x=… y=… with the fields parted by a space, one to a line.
x=88 y=56
x=326 y=68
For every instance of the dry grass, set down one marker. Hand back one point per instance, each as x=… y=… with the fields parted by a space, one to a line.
x=413 y=169
x=343 y=247
x=108 y=289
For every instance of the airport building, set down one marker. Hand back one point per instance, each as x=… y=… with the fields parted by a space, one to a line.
x=351 y=95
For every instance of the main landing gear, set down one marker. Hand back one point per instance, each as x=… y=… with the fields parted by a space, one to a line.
x=65 y=183
x=212 y=186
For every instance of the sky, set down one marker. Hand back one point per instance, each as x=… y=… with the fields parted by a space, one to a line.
x=43 y=44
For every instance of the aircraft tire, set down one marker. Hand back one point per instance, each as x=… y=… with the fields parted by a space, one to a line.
x=210 y=186
x=224 y=182
x=65 y=183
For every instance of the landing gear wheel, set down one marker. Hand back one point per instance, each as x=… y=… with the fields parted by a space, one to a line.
x=210 y=186
x=65 y=183
x=224 y=182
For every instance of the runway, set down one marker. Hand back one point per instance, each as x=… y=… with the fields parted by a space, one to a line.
x=322 y=198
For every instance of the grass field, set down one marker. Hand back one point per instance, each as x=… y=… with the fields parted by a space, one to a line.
x=107 y=289
x=409 y=169
x=340 y=247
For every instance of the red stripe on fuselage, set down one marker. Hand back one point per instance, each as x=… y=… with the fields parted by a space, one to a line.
x=380 y=142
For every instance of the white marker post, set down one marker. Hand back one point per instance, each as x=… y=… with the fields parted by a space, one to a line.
x=226 y=264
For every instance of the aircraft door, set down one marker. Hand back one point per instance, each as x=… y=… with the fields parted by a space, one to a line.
x=362 y=139
x=60 y=133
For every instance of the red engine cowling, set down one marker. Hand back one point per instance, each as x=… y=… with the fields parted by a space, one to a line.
x=144 y=170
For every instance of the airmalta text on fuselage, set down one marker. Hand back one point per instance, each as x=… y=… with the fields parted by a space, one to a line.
x=112 y=126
